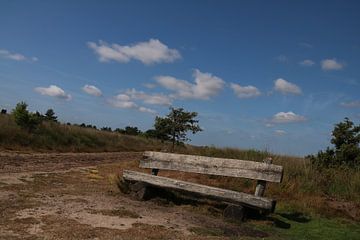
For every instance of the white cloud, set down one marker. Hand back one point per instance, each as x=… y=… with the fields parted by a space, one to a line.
x=122 y=97
x=307 y=63
x=155 y=99
x=147 y=110
x=121 y=102
x=285 y=87
x=92 y=90
x=246 y=91
x=331 y=64
x=287 y=117
x=183 y=88
x=279 y=132
x=352 y=104
x=15 y=56
x=149 y=52
x=53 y=91
x=124 y=101
x=206 y=85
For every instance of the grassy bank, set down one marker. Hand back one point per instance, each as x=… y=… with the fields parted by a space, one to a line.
x=333 y=192
x=51 y=136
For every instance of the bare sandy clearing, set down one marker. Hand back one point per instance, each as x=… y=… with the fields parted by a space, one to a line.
x=73 y=196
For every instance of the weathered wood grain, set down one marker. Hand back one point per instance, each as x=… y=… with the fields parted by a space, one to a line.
x=218 y=193
x=215 y=166
x=261 y=184
x=234 y=212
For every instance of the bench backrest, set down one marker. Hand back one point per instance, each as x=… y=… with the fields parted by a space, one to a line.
x=214 y=166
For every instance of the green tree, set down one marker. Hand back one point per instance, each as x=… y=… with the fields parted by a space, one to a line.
x=119 y=130
x=106 y=129
x=151 y=133
x=24 y=118
x=346 y=139
x=175 y=126
x=21 y=114
x=132 y=131
x=50 y=115
x=163 y=128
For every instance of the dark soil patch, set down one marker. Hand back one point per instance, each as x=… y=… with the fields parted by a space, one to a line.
x=120 y=212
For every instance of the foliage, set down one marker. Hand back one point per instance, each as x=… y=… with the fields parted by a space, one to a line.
x=346 y=139
x=26 y=119
x=151 y=133
x=106 y=129
x=162 y=128
x=176 y=124
x=50 y=115
x=134 y=131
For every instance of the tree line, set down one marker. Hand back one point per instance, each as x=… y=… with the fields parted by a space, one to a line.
x=173 y=127
x=346 y=150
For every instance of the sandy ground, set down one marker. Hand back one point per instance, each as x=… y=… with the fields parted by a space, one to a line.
x=74 y=196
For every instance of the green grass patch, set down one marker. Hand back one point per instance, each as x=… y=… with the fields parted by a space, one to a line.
x=295 y=225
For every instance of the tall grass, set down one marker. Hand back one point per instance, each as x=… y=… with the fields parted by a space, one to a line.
x=51 y=136
x=301 y=180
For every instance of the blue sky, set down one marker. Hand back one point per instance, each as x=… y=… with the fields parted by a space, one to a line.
x=274 y=75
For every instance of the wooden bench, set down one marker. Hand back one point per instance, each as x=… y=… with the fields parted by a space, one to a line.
x=261 y=171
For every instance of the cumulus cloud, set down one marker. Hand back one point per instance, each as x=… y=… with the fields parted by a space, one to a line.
x=307 y=63
x=287 y=117
x=147 y=110
x=331 y=64
x=152 y=51
x=246 y=91
x=92 y=90
x=206 y=85
x=279 y=132
x=16 y=56
x=285 y=87
x=124 y=101
x=122 y=97
x=53 y=91
x=119 y=103
x=183 y=88
x=351 y=104
x=155 y=99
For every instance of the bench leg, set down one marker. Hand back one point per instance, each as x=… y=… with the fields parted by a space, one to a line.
x=141 y=191
x=235 y=213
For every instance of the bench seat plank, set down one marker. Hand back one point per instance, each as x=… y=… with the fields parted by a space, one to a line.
x=223 y=194
x=215 y=166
